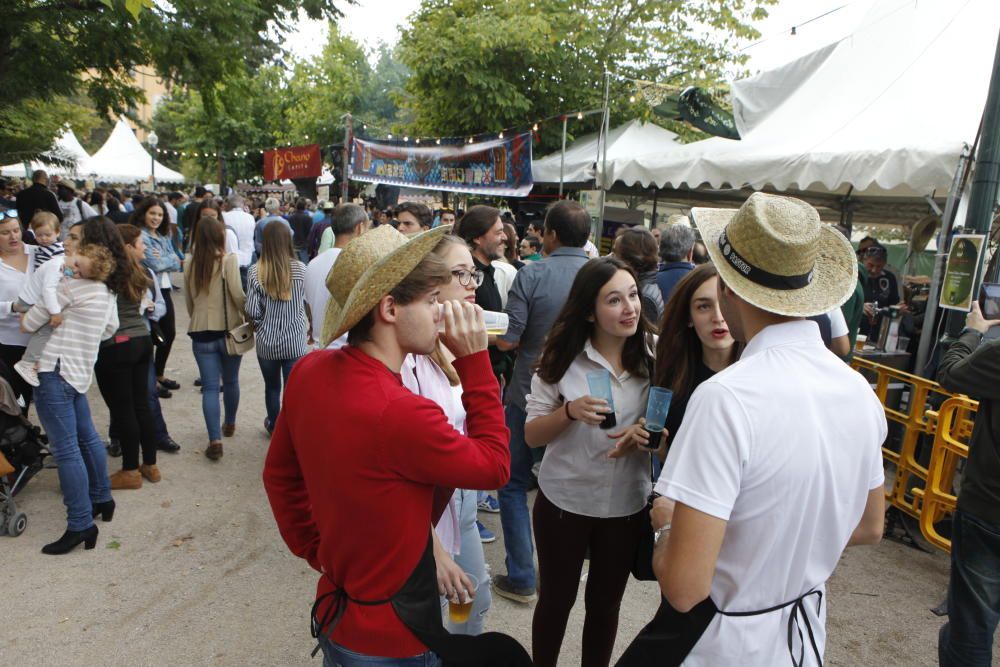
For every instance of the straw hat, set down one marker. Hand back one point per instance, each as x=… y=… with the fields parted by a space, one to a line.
x=776 y=254
x=367 y=269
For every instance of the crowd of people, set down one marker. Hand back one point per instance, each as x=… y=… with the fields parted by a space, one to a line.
x=380 y=317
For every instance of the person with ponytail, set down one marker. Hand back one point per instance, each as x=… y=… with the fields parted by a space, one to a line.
x=276 y=306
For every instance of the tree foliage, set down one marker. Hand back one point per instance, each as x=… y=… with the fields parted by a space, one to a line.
x=51 y=49
x=484 y=66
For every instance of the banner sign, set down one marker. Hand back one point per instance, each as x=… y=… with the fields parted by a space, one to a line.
x=500 y=167
x=292 y=162
x=964 y=261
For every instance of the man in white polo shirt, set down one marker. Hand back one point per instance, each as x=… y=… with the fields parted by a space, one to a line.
x=348 y=221
x=777 y=466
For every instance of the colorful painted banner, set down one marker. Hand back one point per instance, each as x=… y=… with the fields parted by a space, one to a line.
x=292 y=162
x=499 y=167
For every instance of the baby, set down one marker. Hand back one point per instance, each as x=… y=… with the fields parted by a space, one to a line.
x=91 y=263
x=45 y=227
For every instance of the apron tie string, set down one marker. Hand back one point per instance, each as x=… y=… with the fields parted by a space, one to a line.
x=798 y=611
x=338 y=598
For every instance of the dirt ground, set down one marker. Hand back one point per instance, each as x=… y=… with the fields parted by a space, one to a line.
x=192 y=570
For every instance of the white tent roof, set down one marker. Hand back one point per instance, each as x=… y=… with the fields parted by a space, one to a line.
x=65 y=146
x=632 y=138
x=886 y=110
x=123 y=159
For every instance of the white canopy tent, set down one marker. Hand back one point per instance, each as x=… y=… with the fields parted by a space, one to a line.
x=122 y=159
x=885 y=112
x=632 y=138
x=66 y=146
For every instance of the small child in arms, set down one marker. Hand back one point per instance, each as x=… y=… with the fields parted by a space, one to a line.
x=45 y=227
x=91 y=265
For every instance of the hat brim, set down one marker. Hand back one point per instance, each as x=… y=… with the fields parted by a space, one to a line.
x=834 y=278
x=378 y=280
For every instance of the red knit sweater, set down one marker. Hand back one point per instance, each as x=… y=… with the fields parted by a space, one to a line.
x=351 y=472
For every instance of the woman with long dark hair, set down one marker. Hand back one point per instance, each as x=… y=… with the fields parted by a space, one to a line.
x=694 y=344
x=592 y=489
x=151 y=217
x=122 y=366
x=637 y=248
x=276 y=306
x=214 y=296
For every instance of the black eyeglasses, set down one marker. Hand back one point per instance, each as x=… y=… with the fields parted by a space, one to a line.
x=466 y=278
x=10 y=213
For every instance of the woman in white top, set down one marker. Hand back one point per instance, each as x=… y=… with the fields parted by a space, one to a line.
x=593 y=483
x=457 y=545
x=17 y=260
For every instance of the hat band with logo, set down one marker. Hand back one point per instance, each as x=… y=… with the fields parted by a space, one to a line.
x=758 y=275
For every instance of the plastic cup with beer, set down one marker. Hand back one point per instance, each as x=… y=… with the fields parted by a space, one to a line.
x=599 y=383
x=460 y=606
x=496 y=323
x=657 y=407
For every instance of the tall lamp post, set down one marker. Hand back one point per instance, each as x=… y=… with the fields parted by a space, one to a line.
x=152 y=139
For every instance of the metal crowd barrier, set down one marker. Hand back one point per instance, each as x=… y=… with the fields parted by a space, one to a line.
x=922 y=492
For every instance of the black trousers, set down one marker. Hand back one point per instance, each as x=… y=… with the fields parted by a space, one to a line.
x=10 y=355
x=168 y=325
x=122 y=372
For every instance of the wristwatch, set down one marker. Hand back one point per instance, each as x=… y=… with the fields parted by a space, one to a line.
x=978 y=333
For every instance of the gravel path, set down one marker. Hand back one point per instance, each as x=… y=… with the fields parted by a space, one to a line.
x=192 y=570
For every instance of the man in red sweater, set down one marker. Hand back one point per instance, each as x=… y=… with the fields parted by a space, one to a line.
x=355 y=457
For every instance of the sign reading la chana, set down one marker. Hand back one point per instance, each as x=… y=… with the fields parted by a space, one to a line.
x=292 y=162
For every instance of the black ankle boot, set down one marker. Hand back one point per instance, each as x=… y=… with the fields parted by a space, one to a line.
x=105 y=509
x=70 y=539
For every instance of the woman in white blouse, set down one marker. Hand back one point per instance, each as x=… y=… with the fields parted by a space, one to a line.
x=16 y=261
x=593 y=483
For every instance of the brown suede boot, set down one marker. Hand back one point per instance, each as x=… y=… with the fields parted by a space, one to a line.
x=150 y=473
x=228 y=430
x=214 y=451
x=126 y=479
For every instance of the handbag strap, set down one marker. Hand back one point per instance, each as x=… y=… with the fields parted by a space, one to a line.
x=225 y=294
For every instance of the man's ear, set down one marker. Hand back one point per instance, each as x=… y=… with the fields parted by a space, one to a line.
x=387 y=309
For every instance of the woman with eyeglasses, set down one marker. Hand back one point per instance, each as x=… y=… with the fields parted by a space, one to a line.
x=17 y=261
x=276 y=305
x=458 y=548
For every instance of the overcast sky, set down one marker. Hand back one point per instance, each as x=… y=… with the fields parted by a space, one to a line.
x=372 y=21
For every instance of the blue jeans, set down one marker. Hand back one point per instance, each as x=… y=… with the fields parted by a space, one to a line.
x=514 y=517
x=213 y=362
x=966 y=640
x=275 y=372
x=473 y=562
x=335 y=655
x=76 y=447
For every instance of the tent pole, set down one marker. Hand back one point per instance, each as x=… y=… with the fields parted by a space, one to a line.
x=562 y=158
x=652 y=222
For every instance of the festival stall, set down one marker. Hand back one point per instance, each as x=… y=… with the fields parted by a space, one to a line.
x=66 y=148
x=122 y=159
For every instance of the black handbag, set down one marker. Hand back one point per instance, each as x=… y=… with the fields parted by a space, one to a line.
x=642 y=564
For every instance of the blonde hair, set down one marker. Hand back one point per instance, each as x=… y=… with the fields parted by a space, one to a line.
x=274 y=268
x=44 y=219
x=438 y=356
x=101 y=261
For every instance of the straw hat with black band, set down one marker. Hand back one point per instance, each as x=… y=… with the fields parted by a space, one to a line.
x=368 y=268
x=776 y=255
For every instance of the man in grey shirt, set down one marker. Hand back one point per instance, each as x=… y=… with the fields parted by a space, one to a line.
x=537 y=296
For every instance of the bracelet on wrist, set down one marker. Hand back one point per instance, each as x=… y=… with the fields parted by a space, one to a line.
x=568 y=415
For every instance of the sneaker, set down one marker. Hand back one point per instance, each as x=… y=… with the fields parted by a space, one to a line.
x=27 y=370
x=167 y=383
x=489 y=504
x=505 y=589
x=114 y=448
x=485 y=534
x=169 y=446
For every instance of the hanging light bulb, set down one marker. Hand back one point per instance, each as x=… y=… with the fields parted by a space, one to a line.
x=438 y=142
x=418 y=140
x=390 y=135
x=406 y=138
x=579 y=115
x=632 y=99
x=535 y=127
x=500 y=135
x=470 y=140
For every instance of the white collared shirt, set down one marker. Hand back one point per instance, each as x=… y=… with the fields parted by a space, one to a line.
x=576 y=474
x=11 y=281
x=784 y=445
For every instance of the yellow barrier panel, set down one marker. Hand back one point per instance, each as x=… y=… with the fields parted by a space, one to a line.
x=916 y=421
x=955 y=420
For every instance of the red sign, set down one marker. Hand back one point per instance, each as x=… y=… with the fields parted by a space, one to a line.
x=292 y=162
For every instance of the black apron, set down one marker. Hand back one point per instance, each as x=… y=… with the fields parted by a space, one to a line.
x=418 y=606
x=668 y=639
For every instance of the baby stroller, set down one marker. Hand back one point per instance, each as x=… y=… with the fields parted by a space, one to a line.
x=22 y=456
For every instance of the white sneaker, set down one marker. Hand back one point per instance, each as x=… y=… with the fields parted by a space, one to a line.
x=26 y=370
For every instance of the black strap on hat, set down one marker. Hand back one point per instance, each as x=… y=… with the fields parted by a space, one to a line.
x=760 y=276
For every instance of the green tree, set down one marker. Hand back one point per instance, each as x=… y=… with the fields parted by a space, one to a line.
x=52 y=49
x=485 y=66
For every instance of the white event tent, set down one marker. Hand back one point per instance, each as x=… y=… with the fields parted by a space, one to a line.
x=884 y=112
x=632 y=138
x=66 y=146
x=122 y=159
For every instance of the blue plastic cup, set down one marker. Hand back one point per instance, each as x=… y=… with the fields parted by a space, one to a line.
x=599 y=383
x=657 y=407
